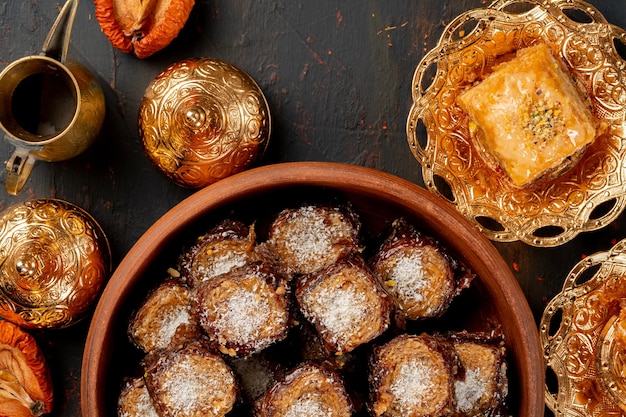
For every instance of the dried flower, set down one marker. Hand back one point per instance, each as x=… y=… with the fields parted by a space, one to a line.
x=142 y=27
x=25 y=384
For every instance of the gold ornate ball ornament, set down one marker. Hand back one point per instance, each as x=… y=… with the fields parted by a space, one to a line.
x=202 y=120
x=54 y=261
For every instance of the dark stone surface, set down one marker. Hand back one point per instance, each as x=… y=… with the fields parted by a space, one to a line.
x=337 y=76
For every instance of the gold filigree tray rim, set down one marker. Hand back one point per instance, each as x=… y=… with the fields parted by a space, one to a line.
x=565 y=308
x=562 y=219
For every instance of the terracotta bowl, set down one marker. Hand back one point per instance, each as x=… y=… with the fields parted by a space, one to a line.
x=254 y=195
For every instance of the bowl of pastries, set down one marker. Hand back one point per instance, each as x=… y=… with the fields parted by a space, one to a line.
x=308 y=289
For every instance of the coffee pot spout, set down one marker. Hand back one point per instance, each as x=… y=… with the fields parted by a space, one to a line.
x=58 y=39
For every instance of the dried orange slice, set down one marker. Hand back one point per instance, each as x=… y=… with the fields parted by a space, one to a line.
x=142 y=27
x=25 y=384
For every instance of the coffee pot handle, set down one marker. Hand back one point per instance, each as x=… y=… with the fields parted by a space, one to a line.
x=18 y=169
x=57 y=42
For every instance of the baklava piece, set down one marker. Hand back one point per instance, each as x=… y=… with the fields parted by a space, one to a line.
x=529 y=117
x=421 y=278
x=245 y=310
x=191 y=381
x=310 y=390
x=480 y=386
x=410 y=376
x=311 y=237
x=135 y=400
x=230 y=244
x=345 y=303
x=164 y=318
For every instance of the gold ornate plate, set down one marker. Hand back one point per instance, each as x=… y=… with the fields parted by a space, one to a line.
x=550 y=211
x=585 y=360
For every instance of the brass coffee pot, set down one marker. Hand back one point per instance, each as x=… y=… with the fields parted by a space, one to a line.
x=51 y=108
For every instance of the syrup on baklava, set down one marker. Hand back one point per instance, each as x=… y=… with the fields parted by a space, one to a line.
x=528 y=116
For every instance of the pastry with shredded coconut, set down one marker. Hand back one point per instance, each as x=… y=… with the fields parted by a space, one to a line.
x=135 y=400
x=345 y=303
x=311 y=237
x=419 y=275
x=190 y=381
x=164 y=318
x=266 y=311
x=245 y=310
x=229 y=244
x=411 y=376
x=309 y=390
x=480 y=385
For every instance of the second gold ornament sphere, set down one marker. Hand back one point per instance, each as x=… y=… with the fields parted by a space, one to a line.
x=203 y=119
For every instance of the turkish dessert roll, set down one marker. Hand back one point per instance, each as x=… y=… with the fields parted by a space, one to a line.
x=190 y=381
x=227 y=245
x=135 y=400
x=529 y=117
x=245 y=310
x=345 y=304
x=480 y=386
x=164 y=319
x=311 y=237
x=411 y=376
x=418 y=274
x=309 y=390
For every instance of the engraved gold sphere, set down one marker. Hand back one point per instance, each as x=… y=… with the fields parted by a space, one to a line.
x=54 y=261
x=203 y=119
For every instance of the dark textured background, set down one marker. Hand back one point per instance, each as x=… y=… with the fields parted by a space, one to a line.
x=337 y=76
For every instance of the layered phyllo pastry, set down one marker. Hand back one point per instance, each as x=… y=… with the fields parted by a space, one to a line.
x=297 y=323
x=245 y=310
x=311 y=237
x=135 y=400
x=459 y=374
x=228 y=245
x=345 y=304
x=480 y=384
x=416 y=272
x=310 y=390
x=528 y=116
x=191 y=381
x=411 y=376
x=164 y=319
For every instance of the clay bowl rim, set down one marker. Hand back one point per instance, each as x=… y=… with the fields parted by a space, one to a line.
x=452 y=229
